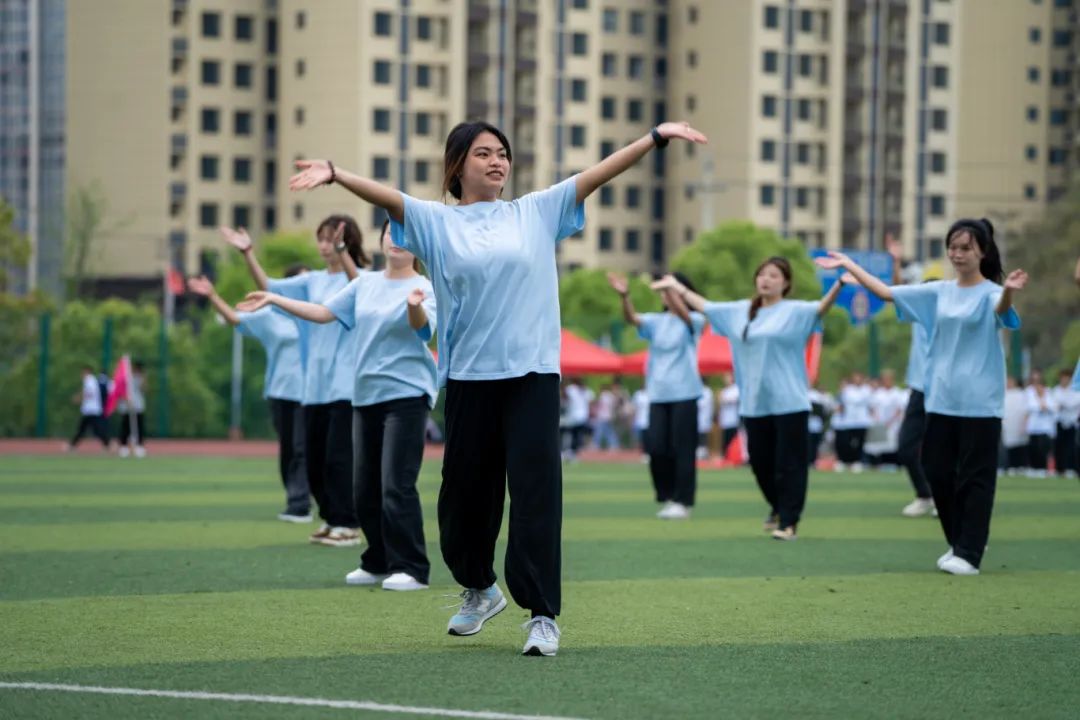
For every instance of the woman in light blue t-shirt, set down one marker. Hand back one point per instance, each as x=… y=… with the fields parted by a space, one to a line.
x=391 y=316
x=768 y=337
x=493 y=267
x=673 y=383
x=965 y=380
x=327 y=389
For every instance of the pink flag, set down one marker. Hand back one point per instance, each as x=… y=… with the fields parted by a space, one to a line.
x=119 y=385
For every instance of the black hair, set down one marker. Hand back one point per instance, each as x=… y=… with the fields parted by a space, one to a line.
x=781 y=264
x=295 y=269
x=458 y=143
x=353 y=238
x=983 y=233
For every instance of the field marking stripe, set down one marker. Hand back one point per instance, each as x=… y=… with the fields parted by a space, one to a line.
x=276 y=700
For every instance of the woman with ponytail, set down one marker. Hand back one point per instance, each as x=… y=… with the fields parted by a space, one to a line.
x=965 y=380
x=768 y=337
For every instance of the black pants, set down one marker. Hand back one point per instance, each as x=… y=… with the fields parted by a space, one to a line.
x=778 y=449
x=1065 y=449
x=813 y=443
x=909 y=447
x=328 y=451
x=125 y=428
x=1039 y=451
x=288 y=417
x=388 y=447
x=501 y=432
x=576 y=435
x=672 y=450
x=95 y=424
x=1016 y=457
x=849 y=445
x=728 y=435
x=960 y=459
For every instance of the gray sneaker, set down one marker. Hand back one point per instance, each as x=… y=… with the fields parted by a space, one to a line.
x=543 y=637
x=477 y=606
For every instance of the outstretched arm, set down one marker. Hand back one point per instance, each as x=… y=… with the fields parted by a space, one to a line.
x=303 y=310
x=347 y=262
x=868 y=281
x=617 y=162
x=830 y=297
x=688 y=297
x=1016 y=281
x=313 y=173
x=618 y=284
x=893 y=247
x=240 y=240
x=202 y=286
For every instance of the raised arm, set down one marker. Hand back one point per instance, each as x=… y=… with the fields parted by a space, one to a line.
x=618 y=284
x=678 y=306
x=1016 y=281
x=240 y=240
x=342 y=250
x=303 y=310
x=868 y=281
x=314 y=173
x=830 y=297
x=893 y=247
x=202 y=286
x=617 y=162
x=417 y=315
x=688 y=297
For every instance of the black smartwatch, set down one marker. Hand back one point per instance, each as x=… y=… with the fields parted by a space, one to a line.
x=659 y=140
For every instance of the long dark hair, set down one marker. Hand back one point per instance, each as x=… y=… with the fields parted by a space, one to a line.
x=781 y=264
x=983 y=232
x=353 y=238
x=458 y=143
x=685 y=281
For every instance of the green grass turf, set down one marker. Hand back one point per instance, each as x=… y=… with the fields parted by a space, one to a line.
x=173 y=574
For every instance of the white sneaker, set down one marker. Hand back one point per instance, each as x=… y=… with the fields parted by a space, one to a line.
x=140 y=451
x=543 y=637
x=123 y=451
x=918 y=507
x=644 y=460
x=674 y=511
x=360 y=576
x=947 y=556
x=856 y=467
x=957 y=565
x=294 y=517
x=402 y=582
x=477 y=607
x=839 y=466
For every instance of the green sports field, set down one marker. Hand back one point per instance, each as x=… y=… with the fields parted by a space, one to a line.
x=172 y=574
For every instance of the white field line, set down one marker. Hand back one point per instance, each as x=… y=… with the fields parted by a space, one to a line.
x=276 y=700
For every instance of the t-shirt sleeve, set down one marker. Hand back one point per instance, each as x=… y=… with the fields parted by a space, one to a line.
x=421 y=226
x=647 y=325
x=804 y=316
x=916 y=303
x=558 y=208
x=255 y=324
x=697 y=321
x=430 y=308
x=1010 y=319
x=722 y=316
x=343 y=303
x=295 y=287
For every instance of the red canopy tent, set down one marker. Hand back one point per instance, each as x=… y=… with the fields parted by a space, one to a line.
x=581 y=357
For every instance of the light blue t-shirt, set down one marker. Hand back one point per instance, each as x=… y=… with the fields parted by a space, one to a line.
x=493 y=267
x=671 y=374
x=1076 y=376
x=965 y=366
x=770 y=365
x=326 y=377
x=281 y=340
x=916 y=364
x=391 y=361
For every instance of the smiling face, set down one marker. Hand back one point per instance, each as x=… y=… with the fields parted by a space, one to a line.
x=964 y=253
x=770 y=282
x=486 y=168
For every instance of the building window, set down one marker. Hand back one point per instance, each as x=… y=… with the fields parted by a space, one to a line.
x=802 y=109
x=768 y=150
x=384 y=24
x=607 y=108
x=1030 y=192
x=208 y=215
x=940 y=76
x=1033 y=74
x=422 y=123
x=608 y=64
x=244 y=28
x=657 y=247
x=301 y=67
x=423 y=76
x=610 y=20
x=420 y=171
x=211 y=24
x=1059 y=116
x=635 y=110
x=381 y=72
x=939 y=120
x=1061 y=78
x=635 y=67
x=1031 y=153
x=802 y=153
x=210 y=120
x=271 y=83
x=423 y=28
x=937 y=162
x=607 y=147
x=242 y=122
x=300 y=21
x=241 y=169
x=243 y=74
x=578 y=90
x=1062 y=38
x=581 y=4
x=1032 y=113
x=632 y=240
x=380 y=168
x=802 y=197
x=1035 y=35
x=298 y=211
x=208 y=167
x=210 y=72
x=577 y=136
x=637 y=23
x=691 y=103
x=806 y=21
x=691 y=58
x=768 y=106
x=661 y=33
x=768 y=195
x=770 y=61
x=772 y=16
x=633 y=196
x=241 y=216
x=691 y=14
x=607 y=196
x=271 y=37
x=937 y=205
x=941 y=33
x=269 y=218
x=806 y=65
x=1058 y=156
x=579 y=44
x=605 y=241
x=658 y=204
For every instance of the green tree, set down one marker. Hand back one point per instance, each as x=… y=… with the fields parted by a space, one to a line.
x=14 y=246
x=86 y=209
x=275 y=252
x=593 y=310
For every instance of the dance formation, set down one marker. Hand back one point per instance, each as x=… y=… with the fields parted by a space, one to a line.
x=350 y=378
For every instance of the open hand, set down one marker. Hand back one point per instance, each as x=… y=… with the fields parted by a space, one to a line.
x=618 y=283
x=668 y=282
x=415 y=297
x=893 y=247
x=848 y=279
x=238 y=238
x=200 y=286
x=254 y=300
x=681 y=131
x=313 y=173
x=1016 y=280
x=833 y=261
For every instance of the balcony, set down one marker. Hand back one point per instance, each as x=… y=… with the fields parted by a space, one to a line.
x=479 y=11
x=478 y=108
x=525 y=18
x=525 y=64
x=479 y=58
x=177 y=191
x=178 y=143
x=179 y=47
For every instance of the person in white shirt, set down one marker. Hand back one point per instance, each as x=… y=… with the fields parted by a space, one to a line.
x=132 y=443
x=854 y=399
x=1068 y=402
x=705 y=420
x=1041 y=424
x=640 y=402
x=607 y=404
x=887 y=404
x=91 y=410
x=729 y=410
x=821 y=405
x=1014 y=436
x=578 y=399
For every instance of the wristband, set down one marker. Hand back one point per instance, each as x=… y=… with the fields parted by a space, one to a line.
x=333 y=174
x=659 y=140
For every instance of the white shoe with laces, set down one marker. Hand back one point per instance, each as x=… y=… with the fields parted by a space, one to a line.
x=947 y=556
x=402 y=582
x=918 y=507
x=674 y=511
x=957 y=565
x=477 y=607
x=543 y=637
